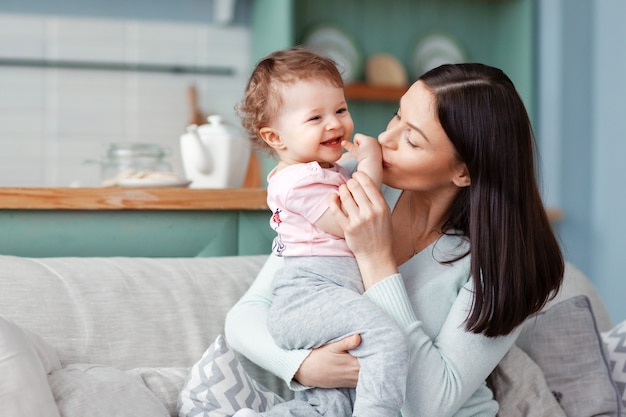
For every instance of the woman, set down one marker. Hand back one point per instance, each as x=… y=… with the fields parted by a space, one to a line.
x=457 y=248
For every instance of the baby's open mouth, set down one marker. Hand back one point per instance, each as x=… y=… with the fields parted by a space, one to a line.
x=332 y=142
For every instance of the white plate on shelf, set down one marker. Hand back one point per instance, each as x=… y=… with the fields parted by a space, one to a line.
x=154 y=182
x=434 y=50
x=338 y=46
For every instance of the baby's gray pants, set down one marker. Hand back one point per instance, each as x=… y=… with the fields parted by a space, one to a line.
x=319 y=300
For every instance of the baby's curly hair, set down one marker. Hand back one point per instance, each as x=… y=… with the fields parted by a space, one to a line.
x=262 y=99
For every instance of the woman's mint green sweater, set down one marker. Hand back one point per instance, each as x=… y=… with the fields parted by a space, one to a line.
x=430 y=301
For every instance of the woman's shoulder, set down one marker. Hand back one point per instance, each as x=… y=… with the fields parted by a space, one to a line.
x=452 y=244
x=446 y=248
x=447 y=257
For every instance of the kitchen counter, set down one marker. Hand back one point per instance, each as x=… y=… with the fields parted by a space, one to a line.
x=133 y=199
x=150 y=222
x=145 y=199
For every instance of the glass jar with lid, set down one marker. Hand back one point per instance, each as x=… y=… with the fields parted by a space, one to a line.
x=124 y=160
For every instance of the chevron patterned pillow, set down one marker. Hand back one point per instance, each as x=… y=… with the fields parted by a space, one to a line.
x=615 y=341
x=218 y=386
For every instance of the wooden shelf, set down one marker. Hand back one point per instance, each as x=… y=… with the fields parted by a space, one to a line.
x=362 y=91
x=133 y=199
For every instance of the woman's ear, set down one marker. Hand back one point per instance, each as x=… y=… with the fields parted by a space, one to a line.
x=271 y=137
x=462 y=177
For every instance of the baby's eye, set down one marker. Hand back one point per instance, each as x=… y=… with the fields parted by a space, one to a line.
x=315 y=118
x=342 y=110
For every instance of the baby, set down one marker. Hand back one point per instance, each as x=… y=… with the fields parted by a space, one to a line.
x=295 y=107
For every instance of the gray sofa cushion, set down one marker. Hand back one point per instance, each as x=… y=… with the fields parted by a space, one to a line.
x=576 y=283
x=124 y=312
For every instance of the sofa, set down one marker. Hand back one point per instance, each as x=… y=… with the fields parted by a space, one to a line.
x=118 y=336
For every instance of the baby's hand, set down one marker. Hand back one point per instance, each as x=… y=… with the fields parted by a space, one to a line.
x=363 y=147
x=366 y=150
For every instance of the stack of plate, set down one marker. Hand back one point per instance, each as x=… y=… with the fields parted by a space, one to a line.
x=434 y=50
x=338 y=46
x=431 y=51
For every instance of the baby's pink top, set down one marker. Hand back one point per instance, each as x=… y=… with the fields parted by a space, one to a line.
x=298 y=195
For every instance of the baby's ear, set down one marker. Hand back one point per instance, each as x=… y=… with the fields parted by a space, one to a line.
x=271 y=137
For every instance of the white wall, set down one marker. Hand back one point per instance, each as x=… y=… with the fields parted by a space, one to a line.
x=52 y=120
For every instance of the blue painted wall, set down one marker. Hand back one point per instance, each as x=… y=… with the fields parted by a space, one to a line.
x=608 y=192
x=581 y=133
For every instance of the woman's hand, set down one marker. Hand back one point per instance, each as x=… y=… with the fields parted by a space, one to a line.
x=331 y=366
x=365 y=217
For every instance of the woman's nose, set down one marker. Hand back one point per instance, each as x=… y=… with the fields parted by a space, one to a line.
x=385 y=138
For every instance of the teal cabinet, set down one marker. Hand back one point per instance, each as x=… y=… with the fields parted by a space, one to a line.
x=134 y=233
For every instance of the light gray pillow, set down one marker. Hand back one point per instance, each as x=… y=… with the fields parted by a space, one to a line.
x=102 y=391
x=615 y=341
x=164 y=383
x=218 y=385
x=565 y=343
x=25 y=360
x=521 y=389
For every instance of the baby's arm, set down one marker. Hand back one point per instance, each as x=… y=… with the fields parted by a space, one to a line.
x=327 y=223
x=366 y=151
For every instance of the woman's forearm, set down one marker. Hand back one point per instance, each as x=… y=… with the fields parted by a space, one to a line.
x=247 y=332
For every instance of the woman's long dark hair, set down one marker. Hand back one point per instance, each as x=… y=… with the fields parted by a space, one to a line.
x=516 y=262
